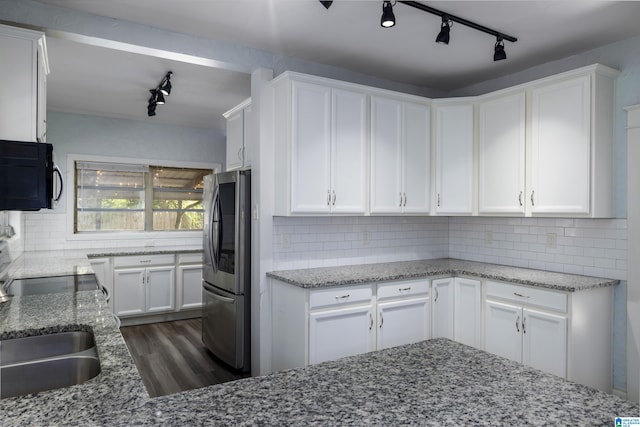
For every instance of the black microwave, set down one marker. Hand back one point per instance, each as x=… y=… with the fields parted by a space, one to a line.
x=27 y=176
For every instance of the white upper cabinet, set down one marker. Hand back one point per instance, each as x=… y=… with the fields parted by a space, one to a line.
x=560 y=145
x=501 y=155
x=400 y=156
x=238 y=120
x=454 y=158
x=23 y=84
x=321 y=149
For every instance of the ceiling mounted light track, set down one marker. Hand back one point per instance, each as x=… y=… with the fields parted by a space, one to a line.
x=158 y=94
x=388 y=20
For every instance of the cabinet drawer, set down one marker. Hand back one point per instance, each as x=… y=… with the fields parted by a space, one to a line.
x=190 y=258
x=402 y=288
x=143 y=260
x=528 y=296
x=340 y=296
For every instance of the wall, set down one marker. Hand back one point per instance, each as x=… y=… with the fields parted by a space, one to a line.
x=100 y=136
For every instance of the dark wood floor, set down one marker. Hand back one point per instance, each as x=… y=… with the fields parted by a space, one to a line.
x=170 y=357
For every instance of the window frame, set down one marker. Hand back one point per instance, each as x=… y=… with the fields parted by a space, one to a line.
x=146 y=236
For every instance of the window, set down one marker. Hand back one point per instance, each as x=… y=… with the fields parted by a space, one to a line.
x=127 y=197
x=4 y=224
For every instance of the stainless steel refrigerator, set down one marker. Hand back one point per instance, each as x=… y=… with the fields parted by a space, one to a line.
x=226 y=284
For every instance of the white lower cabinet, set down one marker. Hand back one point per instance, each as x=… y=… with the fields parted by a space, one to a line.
x=527 y=336
x=456 y=310
x=567 y=334
x=141 y=290
x=189 y=281
x=314 y=325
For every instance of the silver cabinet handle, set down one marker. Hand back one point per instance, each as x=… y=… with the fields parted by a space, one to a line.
x=400 y=205
x=145 y=261
x=328 y=197
x=405 y=199
x=532 y=200
x=521 y=296
x=370 y=321
x=436 y=298
x=342 y=297
x=517 y=326
x=404 y=289
x=524 y=328
x=520 y=198
x=239 y=153
x=334 y=198
x=438 y=199
x=381 y=320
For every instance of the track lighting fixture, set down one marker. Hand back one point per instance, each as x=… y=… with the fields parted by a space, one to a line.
x=445 y=28
x=158 y=94
x=498 y=51
x=388 y=19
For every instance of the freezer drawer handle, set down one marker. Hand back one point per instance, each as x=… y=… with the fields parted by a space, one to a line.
x=220 y=297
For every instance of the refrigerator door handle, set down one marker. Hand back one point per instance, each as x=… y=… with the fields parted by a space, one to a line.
x=214 y=230
x=217 y=296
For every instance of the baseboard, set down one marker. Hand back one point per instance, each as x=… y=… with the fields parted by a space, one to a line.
x=163 y=317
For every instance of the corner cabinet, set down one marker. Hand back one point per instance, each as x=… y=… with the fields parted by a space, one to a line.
x=238 y=119
x=321 y=148
x=23 y=84
x=400 y=156
x=143 y=284
x=454 y=130
x=456 y=310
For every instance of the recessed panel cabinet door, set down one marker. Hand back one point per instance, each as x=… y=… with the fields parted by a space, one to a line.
x=442 y=316
x=403 y=322
x=348 y=152
x=501 y=162
x=417 y=159
x=545 y=342
x=160 y=288
x=129 y=291
x=386 y=155
x=503 y=330
x=235 y=140
x=467 y=305
x=340 y=332
x=311 y=148
x=561 y=147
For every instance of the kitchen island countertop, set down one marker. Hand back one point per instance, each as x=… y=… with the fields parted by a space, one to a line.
x=322 y=277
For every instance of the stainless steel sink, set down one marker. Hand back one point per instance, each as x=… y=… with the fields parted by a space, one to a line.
x=46 y=362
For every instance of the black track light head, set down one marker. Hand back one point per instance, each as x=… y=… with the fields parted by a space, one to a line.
x=151 y=109
x=388 y=19
x=159 y=97
x=498 y=51
x=445 y=28
x=326 y=3
x=165 y=86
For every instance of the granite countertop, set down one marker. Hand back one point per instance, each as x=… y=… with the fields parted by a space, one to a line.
x=76 y=262
x=363 y=273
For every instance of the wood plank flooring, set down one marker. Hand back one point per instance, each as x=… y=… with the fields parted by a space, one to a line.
x=170 y=357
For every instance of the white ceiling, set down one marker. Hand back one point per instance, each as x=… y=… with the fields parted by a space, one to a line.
x=347 y=35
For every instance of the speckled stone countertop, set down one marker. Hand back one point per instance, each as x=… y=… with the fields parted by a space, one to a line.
x=364 y=273
x=74 y=262
x=435 y=383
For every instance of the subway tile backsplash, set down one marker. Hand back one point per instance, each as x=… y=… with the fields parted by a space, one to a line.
x=593 y=247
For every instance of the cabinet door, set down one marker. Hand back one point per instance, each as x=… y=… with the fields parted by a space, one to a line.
x=190 y=286
x=160 y=289
x=102 y=269
x=467 y=305
x=310 y=148
x=442 y=314
x=501 y=157
x=454 y=159
x=247 y=145
x=560 y=143
x=502 y=330
x=386 y=152
x=544 y=344
x=417 y=159
x=235 y=140
x=403 y=322
x=129 y=291
x=340 y=332
x=348 y=152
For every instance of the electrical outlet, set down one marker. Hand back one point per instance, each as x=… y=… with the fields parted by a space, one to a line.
x=366 y=238
x=552 y=240
x=488 y=237
x=285 y=241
